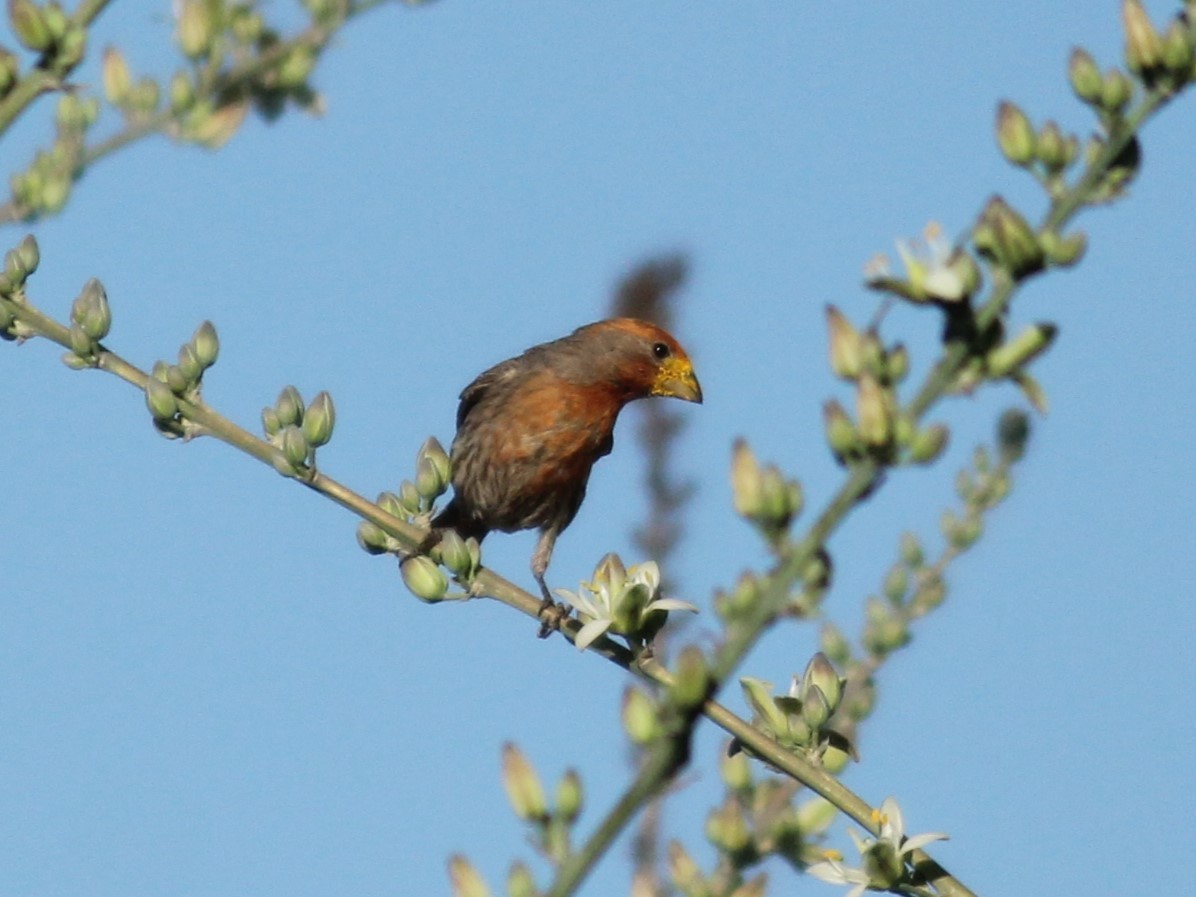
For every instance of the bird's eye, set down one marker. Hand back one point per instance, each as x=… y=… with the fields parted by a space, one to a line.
x=661 y=350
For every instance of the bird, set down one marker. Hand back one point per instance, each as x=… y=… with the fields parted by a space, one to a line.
x=530 y=429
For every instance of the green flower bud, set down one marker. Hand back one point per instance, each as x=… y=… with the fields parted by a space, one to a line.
x=872 y=353
x=741 y=601
x=820 y=675
x=10 y=71
x=72 y=44
x=289 y=407
x=206 y=343
x=569 y=796
x=465 y=880
x=1177 y=51
x=81 y=344
x=520 y=882
x=815 y=710
x=1143 y=46
x=14 y=268
x=270 y=422
x=409 y=497
x=897 y=364
x=1015 y=134
x=1085 y=76
x=177 y=380
x=873 y=409
x=1020 y=351
x=294 y=447
x=1013 y=243
x=845 y=348
x=246 y=25
x=929 y=592
x=691 y=678
x=747 y=484
x=182 y=93
x=295 y=67
x=1063 y=251
x=425 y=580
x=884 y=630
x=195 y=28
x=455 y=555
x=389 y=502
x=833 y=644
x=755 y=887
x=91 y=311
x=896 y=583
x=435 y=454
x=372 y=538
x=319 y=420
x=144 y=96
x=1116 y=92
x=727 y=829
x=640 y=717
x=1055 y=150
x=736 y=771
x=684 y=871
x=28 y=253
x=816 y=815
x=523 y=787
x=29 y=24
x=912 y=554
x=841 y=433
x=189 y=363
x=160 y=400
x=70 y=359
x=116 y=77
x=928 y=444
x=1013 y=433
x=428 y=481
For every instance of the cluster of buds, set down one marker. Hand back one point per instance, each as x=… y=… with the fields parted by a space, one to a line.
x=1164 y=61
x=756 y=819
x=297 y=430
x=762 y=495
x=19 y=263
x=1048 y=151
x=91 y=318
x=415 y=502
x=551 y=825
x=880 y=429
x=168 y=383
x=621 y=601
x=137 y=100
x=800 y=720
x=48 y=30
x=212 y=34
x=45 y=186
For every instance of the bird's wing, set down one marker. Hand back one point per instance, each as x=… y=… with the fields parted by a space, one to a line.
x=496 y=376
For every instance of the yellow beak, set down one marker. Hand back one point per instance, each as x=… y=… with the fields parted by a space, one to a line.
x=676 y=380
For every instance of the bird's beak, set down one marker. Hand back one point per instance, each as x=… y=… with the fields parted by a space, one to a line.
x=676 y=380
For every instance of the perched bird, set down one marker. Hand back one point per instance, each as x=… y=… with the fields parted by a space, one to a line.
x=530 y=428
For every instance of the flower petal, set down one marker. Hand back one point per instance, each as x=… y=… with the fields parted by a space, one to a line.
x=671 y=604
x=913 y=842
x=591 y=631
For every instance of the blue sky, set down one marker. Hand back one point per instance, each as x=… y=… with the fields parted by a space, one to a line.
x=207 y=689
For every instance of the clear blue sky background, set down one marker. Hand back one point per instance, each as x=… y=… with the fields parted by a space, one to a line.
x=207 y=689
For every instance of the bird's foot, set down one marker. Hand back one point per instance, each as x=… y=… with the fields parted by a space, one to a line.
x=552 y=615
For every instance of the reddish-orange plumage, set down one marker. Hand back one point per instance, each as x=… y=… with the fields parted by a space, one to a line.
x=530 y=428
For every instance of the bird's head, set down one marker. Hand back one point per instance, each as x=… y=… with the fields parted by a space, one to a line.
x=642 y=358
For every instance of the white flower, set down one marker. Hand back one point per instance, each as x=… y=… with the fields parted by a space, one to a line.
x=884 y=856
x=934 y=269
x=622 y=601
x=833 y=871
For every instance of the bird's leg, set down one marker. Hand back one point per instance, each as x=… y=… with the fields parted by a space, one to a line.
x=551 y=613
